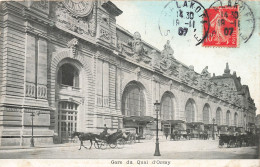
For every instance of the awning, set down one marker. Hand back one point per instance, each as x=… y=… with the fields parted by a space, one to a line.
x=172 y=122
x=222 y=126
x=195 y=123
x=139 y=119
x=251 y=124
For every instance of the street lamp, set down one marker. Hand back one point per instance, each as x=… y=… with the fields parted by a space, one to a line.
x=157 y=109
x=213 y=135
x=32 y=139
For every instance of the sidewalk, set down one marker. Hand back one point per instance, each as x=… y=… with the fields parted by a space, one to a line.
x=38 y=146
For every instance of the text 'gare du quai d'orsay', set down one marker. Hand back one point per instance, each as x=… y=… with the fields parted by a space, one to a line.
x=76 y=70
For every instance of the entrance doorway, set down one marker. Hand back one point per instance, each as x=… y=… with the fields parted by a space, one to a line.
x=67 y=120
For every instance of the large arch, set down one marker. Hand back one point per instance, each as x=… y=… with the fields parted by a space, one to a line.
x=228 y=115
x=219 y=116
x=58 y=59
x=85 y=100
x=134 y=101
x=206 y=114
x=190 y=110
x=168 y=106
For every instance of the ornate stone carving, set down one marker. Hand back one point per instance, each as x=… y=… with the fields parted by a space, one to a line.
x=105 y=35
x=138 y=52
x=42 y=5
x=205 y=74
x=166 y=62
x=73 y=45
x=156 y=78
x=84 y=27
x=190 y=76
x=167 y=51
x=79 y=8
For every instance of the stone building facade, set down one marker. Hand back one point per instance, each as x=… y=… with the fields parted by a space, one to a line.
x=74 y=68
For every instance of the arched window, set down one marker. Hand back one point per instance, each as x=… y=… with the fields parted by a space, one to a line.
x=206 y=114
x=68 y=75
x=167 y=110
x=218 y=117
x=228 y=117
x=190 y=111
x=133 y=103
x=235 y=119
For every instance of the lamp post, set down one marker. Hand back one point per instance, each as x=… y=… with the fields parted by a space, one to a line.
x=32 y=139
x=157 y=150
x=213 y=135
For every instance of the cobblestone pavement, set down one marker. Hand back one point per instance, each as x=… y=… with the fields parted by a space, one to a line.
x=192 y=149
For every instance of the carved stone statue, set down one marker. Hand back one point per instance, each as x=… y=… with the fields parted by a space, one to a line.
x=155 y=59
x=205 y=74
x=167 y=51
x=190 y=76
x=137 y=47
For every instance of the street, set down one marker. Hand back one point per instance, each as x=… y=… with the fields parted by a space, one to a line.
x=189 y=149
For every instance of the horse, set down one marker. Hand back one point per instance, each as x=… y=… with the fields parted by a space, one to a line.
x=84 y=137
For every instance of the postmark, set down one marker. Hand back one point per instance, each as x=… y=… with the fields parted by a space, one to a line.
x=223 y=30
x=184 y=20
x=246 y=18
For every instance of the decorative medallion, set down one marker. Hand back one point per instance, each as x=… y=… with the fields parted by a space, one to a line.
x=79 y=8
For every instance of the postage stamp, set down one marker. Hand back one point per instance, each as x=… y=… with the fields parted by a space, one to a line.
x=223 y=30
x=246 y=17
x=186 y=18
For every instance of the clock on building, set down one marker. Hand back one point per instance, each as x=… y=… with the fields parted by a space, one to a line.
x=79 y=8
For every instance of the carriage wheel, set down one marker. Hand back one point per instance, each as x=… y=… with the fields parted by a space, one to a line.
x=120 y=143
x=131 y=139
x=113 y=145
x=231 y=143
x=221 y=143
x=103 y=145
x=97 y=145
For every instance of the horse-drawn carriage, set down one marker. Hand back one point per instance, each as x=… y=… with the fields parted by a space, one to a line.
x=131 y=136
x=101 y=141
x=238 y=139
x=195 y=129
x=178 y=129
x=223 y=130
x=142 y=125
x=113 y=140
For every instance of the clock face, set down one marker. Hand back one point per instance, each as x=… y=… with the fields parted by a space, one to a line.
x=79 y=8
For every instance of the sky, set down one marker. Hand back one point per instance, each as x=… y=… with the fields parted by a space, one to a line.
x=145 y=17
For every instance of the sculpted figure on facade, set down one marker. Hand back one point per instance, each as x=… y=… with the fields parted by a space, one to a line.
x=211 y=89
x=139 y=52
x=190 y=76
x=204 y=82
x=155 y=59
x=205 y=74
x=166 y=61
x=167 y=52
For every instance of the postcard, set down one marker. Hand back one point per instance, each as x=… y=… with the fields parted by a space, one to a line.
x=129 y=83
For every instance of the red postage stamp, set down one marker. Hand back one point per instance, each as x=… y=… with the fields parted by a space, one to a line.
x=224 y=29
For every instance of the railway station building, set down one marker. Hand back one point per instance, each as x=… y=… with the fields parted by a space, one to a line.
x=68 y=66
